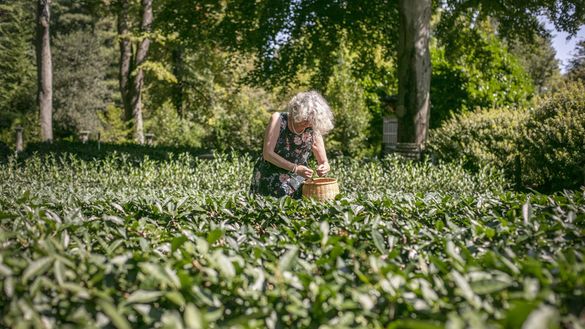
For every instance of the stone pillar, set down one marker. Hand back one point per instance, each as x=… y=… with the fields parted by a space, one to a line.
x=19 y=139
x=149 y=139
x=84 y=136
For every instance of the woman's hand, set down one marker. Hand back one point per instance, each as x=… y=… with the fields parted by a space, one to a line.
x=323 y=169
x=304 y=171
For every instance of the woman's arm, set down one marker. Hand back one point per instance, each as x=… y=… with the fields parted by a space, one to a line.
x=320 y=154
x=268 y=154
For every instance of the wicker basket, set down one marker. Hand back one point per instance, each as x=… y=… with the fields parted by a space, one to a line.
x=321 y=188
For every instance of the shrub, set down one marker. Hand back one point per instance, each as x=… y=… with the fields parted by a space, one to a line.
x=170 y=129
x=554 y=143
x=239 y=119
x=348 y=104
x=541 y=148
x=113 y=129
x=480 y=138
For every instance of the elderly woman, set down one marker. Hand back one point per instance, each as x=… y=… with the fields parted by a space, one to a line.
x=290 y=137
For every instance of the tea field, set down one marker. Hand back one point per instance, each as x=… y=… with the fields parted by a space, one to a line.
x=122 y=243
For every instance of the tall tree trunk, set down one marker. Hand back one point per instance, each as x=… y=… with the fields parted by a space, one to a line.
x=44 y=70
x=138 y=82
x=414 y=70
x=125 y=58
x=177 y=54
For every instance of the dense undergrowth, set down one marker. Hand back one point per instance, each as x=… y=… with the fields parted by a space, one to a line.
x=127 y=243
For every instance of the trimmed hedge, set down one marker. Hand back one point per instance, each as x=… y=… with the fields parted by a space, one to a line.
x=541 y=148
x=554 y=141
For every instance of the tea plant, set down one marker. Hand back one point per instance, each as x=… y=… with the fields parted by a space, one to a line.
x=180 y=244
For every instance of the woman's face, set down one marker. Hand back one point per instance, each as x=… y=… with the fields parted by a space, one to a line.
x=302 y=125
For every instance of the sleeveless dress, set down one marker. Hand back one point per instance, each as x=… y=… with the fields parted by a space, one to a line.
x=270 y=180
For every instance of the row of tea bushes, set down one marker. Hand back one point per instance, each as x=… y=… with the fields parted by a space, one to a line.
x=180 y=244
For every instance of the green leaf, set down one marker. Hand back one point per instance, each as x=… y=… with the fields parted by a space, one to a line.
x=178 y=242
x=143 y=296
x=324 y=227
x=488 y=286
x=452 y=252
x=214 y=235
x=112 y=312
x=36 y=267
x=518 y=313
x=465 y=288
x=225 y=264
x=9 y=286
x=5 y=270
x=115 y=219
x=378 y=241
x=59 y=270
x=527 y=212
x=176 y=297
x=193 y=318
x=118 y=207
x=288 y=259
x=544 y=317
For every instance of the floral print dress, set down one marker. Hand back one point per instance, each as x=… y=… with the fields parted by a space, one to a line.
x=270 y=180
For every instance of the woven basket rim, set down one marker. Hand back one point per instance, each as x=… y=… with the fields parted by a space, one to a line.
x=321 y=181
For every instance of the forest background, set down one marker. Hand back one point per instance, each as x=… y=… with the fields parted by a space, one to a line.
x=215 y=70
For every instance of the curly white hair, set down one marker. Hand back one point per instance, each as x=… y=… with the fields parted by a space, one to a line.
x=313 y=107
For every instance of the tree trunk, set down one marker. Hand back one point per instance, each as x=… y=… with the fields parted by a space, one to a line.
x=177 y=54
x=414 y=71
x=44 y=70
x=138 y=82
x=125 y=58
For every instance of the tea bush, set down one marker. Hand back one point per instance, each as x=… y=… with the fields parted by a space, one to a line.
x=178 y=243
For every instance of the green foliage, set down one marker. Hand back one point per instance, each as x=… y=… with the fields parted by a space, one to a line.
x=537 y=57
x=176 y=243
x=17 y=64
x=290 y=36
x=472 y=69
x=81 y=86
x=540 y=148
x=93 y=151
x=554 y=140
x=347 y=100
x=113 y=128
x=29 y=121
x=239 y=120
x=576 y=68
x=169 y=129
x=480 y=138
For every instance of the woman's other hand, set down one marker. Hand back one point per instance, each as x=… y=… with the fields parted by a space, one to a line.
x=304 y=171
x=323 y=169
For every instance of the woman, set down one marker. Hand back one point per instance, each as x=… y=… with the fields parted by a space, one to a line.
x=290 y=137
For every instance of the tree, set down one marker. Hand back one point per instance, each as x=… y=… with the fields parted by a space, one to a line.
x=44 y=70
x=82 y=66
x=472 y=68
x=17 y=64
x=576 y=68
x=347 y=101
x=138 y=81
x=538 y=59
x=131 y=73
x=80 y=80
x=414 y=70
x=125 y=56
x=288 y=37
